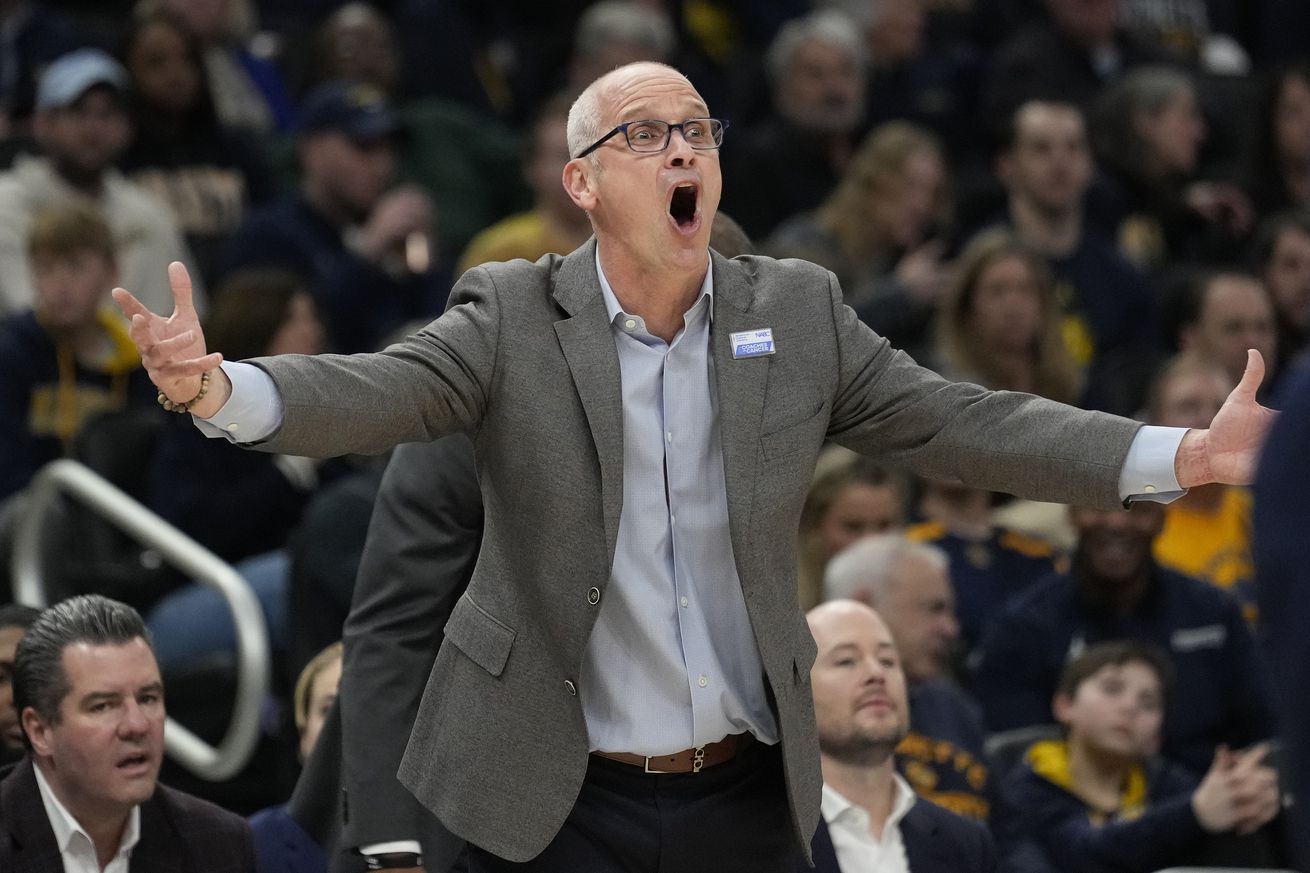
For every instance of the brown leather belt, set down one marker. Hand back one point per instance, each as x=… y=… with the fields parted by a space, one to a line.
x=688 y=760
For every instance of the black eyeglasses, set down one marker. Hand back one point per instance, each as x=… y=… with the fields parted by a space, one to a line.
x=654 y=136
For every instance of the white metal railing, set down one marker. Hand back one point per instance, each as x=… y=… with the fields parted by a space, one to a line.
x=120 y=509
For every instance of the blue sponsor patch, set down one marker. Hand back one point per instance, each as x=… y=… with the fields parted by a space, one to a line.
x=753 y=343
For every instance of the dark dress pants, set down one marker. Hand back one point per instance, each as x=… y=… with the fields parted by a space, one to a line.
x=728 y=818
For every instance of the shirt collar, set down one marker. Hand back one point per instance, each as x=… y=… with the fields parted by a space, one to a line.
x=614 y=309
x=65 y=827
x=835 y=805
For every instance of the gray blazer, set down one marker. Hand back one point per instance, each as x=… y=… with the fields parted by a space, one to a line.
x=524 y=361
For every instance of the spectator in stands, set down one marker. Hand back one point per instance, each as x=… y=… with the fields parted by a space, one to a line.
x=1099 y=800
x=68 y=358
x=999 y=325
x=466 y=160
x=880 y=233
x=917 y=72
x=1045 y=165
x=794 y=159
x=1148 y=131
x=1116 y=590
x=82 y=126
x=1227 y=313
x=554 y=224
x=15 y=619
x=243 y=506
x=31 y=36
x=362 y=246
x=1280 y=159
x=871 y=818
x=852 y=499
x=91 y=700
x=617 y=32
x=989 y=563
x=1199 y=33
x=1069 y=55
x=208 y=173
x=907 y=583
x=1207 y=531
x=244 y=84
x=1282 y=261
x=281 y=845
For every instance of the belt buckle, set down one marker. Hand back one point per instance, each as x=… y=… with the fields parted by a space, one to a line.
x=646 y=767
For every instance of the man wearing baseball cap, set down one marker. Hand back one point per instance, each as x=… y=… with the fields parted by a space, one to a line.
x=366 y=249
x=81 y=125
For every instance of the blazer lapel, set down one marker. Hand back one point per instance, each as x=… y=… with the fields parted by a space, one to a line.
x=921 y=851
x=741 y=384
x=159 y=849
x=30 y=836
x=588 y=347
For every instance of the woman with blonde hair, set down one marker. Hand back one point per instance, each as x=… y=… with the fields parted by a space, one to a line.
x=1000 y=325
x=879 y=232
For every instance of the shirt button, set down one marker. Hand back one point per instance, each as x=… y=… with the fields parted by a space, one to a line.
x=593 y=596
x=630 y=324
x=233 y=427
x=570 y=687
x=683 y=601
x=702 y=682
x=669 y=436
x=1149 y=489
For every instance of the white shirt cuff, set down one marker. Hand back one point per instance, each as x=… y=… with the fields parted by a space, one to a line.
x=1148 y=471
x=394 y=846
x=252 y=412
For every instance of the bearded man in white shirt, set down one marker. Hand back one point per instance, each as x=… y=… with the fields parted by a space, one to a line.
x=872 y=821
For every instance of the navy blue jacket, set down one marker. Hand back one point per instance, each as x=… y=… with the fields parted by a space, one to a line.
x=282 y=846
x=936 y=841
x=1042 y=828
x=1282 y=520
x=942 y=757
x=1222 y=693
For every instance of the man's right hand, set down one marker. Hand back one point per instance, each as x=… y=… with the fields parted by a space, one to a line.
x=172 y=349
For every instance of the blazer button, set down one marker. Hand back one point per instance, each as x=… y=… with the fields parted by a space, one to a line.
x=570 y=687
x=593 y=596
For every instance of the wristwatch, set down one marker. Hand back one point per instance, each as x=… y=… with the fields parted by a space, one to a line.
x=393 y=861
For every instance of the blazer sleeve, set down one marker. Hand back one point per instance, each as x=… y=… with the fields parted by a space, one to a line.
x=888 y=405
x=422 y=544
x=431 y=384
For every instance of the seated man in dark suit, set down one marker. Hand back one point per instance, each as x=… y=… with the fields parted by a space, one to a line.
x=872 y=819
x=91 y=702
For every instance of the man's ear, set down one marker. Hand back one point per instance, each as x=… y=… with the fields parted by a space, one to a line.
x=1187 y=337
x=579 y=179
x=1004 y=167
x=1061 y=708
x=37 y=730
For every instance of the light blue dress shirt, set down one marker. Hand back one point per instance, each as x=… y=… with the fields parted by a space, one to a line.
x=672 y=662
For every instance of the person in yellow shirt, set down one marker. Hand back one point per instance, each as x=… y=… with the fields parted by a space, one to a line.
x=554 y=224
x=1207 y=532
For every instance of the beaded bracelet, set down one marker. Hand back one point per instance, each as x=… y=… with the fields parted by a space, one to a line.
x=186 y=407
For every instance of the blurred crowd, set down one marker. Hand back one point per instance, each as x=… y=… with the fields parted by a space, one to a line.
x=1104 y=202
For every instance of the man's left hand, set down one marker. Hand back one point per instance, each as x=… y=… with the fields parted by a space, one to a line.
x=1229 y=450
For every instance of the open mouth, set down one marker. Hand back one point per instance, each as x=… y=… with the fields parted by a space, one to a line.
x=133 y=762
x=682 y=207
